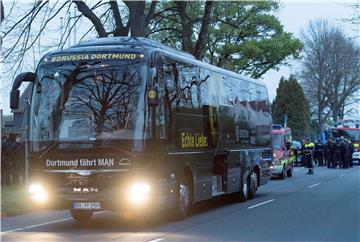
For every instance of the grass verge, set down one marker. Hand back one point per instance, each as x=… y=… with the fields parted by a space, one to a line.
x=13 y=200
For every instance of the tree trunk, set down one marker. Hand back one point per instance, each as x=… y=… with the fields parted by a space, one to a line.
x=201 y=42
x=320 y=119
x=186 y=27
x=2 y=12
x=139 y=21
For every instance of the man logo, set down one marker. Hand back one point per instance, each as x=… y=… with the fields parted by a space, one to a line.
x=85 y=189
x=124 y=162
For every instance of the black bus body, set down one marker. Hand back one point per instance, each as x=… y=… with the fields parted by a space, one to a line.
x=127 y=123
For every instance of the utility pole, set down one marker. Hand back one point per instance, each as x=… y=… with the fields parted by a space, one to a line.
x=69 y=19
x=75 y=8
x=61 y=29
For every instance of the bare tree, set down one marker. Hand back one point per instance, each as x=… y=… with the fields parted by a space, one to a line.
x=1 y=12
x=330 y=70
x=355 y=18
x=23 y=32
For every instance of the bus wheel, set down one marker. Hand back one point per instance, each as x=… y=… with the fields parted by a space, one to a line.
x=253 y=185
x=183 y=202
x=81 y=215
x=244 y=193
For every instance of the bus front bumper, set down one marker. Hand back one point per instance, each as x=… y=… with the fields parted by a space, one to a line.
x=138 y=198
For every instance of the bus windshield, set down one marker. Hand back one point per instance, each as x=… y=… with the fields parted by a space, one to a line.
x=352 y=134
x=94 y=100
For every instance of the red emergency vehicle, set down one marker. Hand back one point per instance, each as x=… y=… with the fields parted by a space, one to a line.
x=349 y=129
x=283 y=162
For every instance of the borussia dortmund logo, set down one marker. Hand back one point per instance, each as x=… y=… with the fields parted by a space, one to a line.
x=152 y=94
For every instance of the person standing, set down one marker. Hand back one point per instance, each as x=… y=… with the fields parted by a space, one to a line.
x=330 y=153
x=319 y=151
x=18 y=151
x=309 y=150
x=337 y=155
x=351 y=152
x=6 y=161
x=296 y=148
x=343 y=152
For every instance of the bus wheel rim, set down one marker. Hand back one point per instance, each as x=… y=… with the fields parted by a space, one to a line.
x=184 y=196
x=245 y=189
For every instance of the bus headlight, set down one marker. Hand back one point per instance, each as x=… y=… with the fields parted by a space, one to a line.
x=139 y=192
x=37 y=192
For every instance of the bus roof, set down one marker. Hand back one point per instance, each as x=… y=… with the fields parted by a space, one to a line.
x=111 y=43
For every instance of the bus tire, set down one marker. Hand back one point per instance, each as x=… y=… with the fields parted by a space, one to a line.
x=253 y=184
x=81 y=215
x=183 y=201
x=244 y=191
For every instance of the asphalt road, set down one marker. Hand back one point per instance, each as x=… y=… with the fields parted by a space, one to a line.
x=320 y=207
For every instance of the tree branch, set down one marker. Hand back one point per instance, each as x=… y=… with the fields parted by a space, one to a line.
x=88 y=13
x=201 y=42
x=151 y=13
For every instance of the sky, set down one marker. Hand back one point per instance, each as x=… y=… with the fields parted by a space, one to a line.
x=295 y=16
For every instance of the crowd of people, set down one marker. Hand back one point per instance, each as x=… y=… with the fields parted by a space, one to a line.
x=12 y=161
x=336 y=152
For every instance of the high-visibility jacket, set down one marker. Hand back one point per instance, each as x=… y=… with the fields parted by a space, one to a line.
x=309 y=147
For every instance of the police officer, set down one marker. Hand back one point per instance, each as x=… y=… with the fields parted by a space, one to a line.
x=343 y=153
x=296 y=149
x=332 y=154
x=319 y=151
x=309 y=150
x=351 y=152
x=337 y=155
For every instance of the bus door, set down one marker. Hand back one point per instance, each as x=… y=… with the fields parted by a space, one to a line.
x=211 y=127
x=227 y=138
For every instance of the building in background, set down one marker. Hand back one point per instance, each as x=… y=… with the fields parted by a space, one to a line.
x=15 y=123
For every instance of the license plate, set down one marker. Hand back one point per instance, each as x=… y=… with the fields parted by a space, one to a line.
x=86 y=205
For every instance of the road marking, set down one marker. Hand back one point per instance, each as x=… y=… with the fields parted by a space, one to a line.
x=342 y=175
x=156 y=240
x=36 y=225
x=259 y=204
x=314 y=185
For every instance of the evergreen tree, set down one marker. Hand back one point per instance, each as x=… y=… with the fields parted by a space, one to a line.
x=290 y=100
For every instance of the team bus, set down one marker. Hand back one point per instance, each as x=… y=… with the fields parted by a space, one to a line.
x=129 y=124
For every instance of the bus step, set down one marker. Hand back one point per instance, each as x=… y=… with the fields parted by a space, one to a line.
x=214 y=194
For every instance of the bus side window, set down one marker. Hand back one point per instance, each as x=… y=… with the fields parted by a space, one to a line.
x=204 y=87
x=189 y=79
x=160 y=109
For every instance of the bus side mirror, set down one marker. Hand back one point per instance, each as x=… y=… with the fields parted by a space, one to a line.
x=14 y=99
x=15 y=93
